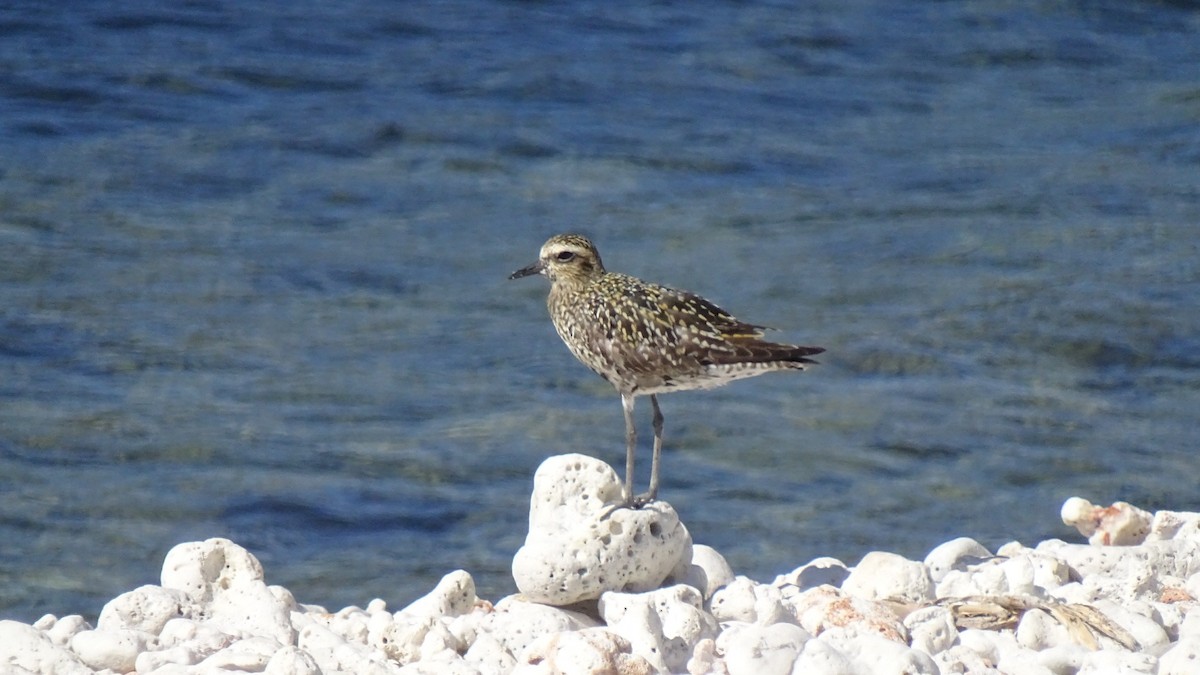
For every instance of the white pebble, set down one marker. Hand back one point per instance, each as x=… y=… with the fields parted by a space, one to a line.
x=1121 y=524
x=931 y=629
x=981 y=642
x=751 y=602
x=489 y=655
x=115 y=650
x=1064 y=660
x=204 y=638
x=825 y=608
x=956 y=554
x=663 y=626
x=161 y=658
x=25 y=647
x=709 y=570
x=517 y=622
x=147 y=608
x=45 y=623
x=1038 y=630
x=1181 y=659
x=332 y=653
x=291 y=661
x=1025 y=662
x=1189 y=628
x=887 y=576
x=65 y=628
x=402 y=639
x=752 y=649
x=249 y=655
x=591 y=650
x=284 y=597
x=1049 y=572
x=819 y=657
x=961 y=659
x=819 y=572
x=986 y=578
x=1134 y=617
x=351 y=623
x=1077 y=512
x=1174 y=525
x=872 y=654
x=453 y=596
x=1114 y=662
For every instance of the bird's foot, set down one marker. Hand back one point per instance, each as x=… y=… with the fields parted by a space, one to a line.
x=641 y=500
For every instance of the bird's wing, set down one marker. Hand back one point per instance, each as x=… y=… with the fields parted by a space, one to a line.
x=689 y=309
x=720 y=338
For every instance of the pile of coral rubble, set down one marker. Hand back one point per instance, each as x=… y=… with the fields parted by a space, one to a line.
x=605 y=589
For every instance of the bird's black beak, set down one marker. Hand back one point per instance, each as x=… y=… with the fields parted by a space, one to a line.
x=535 y=268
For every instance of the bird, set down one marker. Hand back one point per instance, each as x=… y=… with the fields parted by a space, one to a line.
x=646 y=339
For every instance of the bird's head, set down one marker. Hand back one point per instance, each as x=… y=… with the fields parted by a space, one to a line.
x=565 y=257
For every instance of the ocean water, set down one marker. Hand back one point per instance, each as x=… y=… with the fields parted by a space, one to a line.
x=253 y=263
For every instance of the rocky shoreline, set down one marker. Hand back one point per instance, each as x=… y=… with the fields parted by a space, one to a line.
x=612 y=590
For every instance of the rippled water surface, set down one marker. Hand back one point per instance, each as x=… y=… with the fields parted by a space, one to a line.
x=253 y=261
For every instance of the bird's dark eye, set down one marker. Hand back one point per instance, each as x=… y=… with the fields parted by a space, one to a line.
x=565 y=256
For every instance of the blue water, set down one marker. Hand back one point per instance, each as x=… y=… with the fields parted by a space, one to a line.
x=253 y=261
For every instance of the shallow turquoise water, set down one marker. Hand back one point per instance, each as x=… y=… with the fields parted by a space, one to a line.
x=253 y=261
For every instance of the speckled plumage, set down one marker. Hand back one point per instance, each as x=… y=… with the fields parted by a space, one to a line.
x=647 y=339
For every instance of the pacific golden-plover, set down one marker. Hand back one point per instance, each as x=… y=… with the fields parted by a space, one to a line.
x=647 y=339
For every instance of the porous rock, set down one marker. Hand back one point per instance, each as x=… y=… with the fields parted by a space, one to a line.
x=582 y=542
x=1026 y=572
x=931 y=629
x=825 y=607
x=333 y=653
x=488 y=655
x=1126 y=572
x=517 y=622
x=663 y=626
x=591 y=651
x=204 y=638
x=746 y=600
x=1174 y=525
x=147 y=608
x=1121 y=524
x=227 y=581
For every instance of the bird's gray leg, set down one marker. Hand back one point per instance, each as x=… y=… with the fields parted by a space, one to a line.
x=630 y=444
x=658 y=428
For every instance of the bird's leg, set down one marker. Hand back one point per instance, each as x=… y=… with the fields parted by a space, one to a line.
x=658 y=428
x=649 y=496
x=630 y=445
